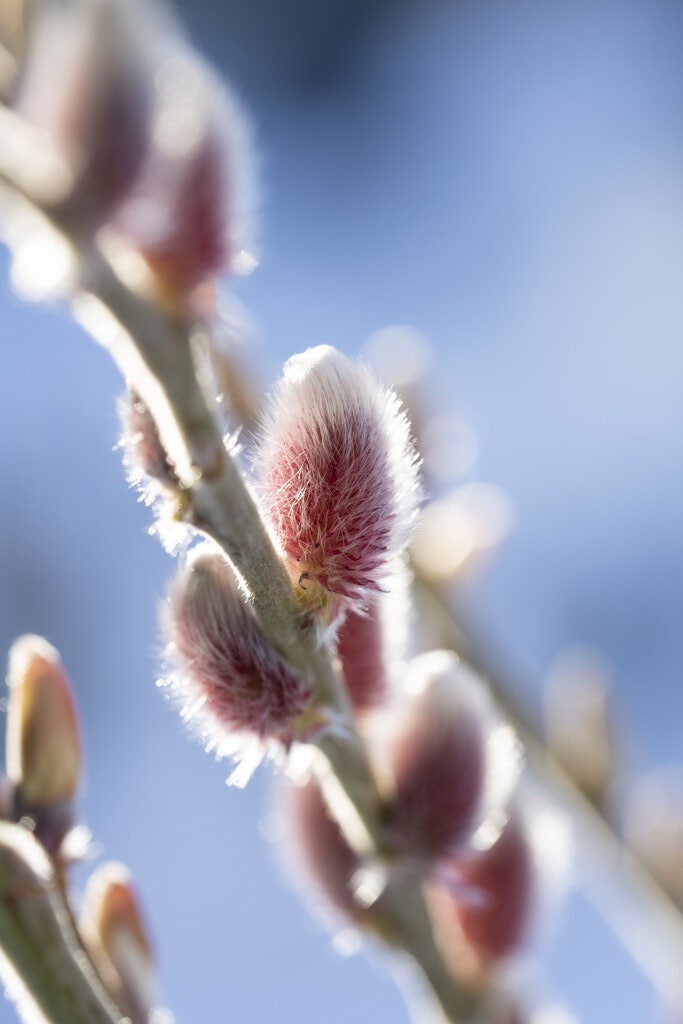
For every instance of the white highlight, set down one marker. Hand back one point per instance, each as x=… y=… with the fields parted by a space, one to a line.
x=44 y=267
x=401 y=354
x=469 y=520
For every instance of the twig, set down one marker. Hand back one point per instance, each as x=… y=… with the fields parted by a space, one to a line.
x=154 y=350
x=220 y=505
x=38 y=944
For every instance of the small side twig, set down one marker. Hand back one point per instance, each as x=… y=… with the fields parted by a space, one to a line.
x=38 y=941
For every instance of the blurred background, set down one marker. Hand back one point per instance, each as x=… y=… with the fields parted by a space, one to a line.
x=507 y=178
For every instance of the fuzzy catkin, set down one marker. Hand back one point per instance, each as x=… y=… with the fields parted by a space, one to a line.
x=360 y=650
x=490 y=904
x=145 y=457
x=191 y=213
x=316 y=848
x=438 y=756
x=338 y=476
x=86 y=85
x=495 y=924
x=226 y=667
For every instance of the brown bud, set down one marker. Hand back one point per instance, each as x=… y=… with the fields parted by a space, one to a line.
x=43 y=745
x=114 y=933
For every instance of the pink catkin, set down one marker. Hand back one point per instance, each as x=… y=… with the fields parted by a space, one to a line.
x=195 y=246
x=224 y=659
x=438 y=756
x=503 y=874
x=98 y=104
x=361 y=651
x=338 y=474
x=317 y=849
x=191 y=213
x=144 y=455
x=493 y=918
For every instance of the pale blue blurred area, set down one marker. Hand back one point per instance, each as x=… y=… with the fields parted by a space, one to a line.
x=508 y=178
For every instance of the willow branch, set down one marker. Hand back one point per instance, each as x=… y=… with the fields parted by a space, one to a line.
x=220 y=505
x=154 y=350
x=41 y=952
x=405 y=911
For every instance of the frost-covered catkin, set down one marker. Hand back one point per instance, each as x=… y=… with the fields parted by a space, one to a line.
x=441 y=755
x=228 y=675
x=338 y=477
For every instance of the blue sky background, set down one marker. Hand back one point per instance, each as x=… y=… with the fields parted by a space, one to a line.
x=507 y=178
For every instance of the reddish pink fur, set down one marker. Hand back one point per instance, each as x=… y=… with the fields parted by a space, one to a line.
x=494 y=920
x=503 y=875
x=224 y=658
x=318 y=847
x=195 y=246
x=145 y=455
x=338 y=474
x=439 y=766
x=361 y=651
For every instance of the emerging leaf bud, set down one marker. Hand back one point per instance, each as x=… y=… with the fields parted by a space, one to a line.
x=338 y=475
x=491 y=903
x=115 y=936
x=229 y=675
x=190 y=216
x=361 y=652
x=85 y=85
x=43 y=746
x=449 y=756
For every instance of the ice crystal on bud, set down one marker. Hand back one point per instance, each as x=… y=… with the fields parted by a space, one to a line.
x=446 y=758
x=338 y=476
x=191 y=214
x=230 y=678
